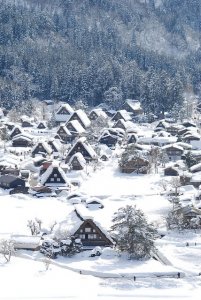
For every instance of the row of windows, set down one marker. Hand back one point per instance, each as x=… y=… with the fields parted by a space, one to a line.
x=87 y=230
x=174 y=152
x=55 y=179
x=91 y=236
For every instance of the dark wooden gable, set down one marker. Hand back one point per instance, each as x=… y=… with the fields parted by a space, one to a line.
x=79 y=147
x=41 y=126
x=63 y=111
x=108 y=140
x=174 y=151
x=52 y=146
x=93 y=115
x=76 y=117
x=132 y=139
x=21 y=142
x=119 y=124
x=62 y=133
x=117 y=116
x=75 y=164
x=15 y=132
x=39 y=149
x=71 y=128
x=55 y=177
x=91 y=235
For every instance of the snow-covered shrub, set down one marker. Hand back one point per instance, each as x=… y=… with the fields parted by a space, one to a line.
x=132 y=233
x=50 y=248
x=70 y=246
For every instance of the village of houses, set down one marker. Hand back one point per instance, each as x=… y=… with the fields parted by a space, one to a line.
x=68 y=180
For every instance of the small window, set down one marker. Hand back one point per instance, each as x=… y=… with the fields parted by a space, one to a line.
x=52 y=179
x=92 y=236
x=55 y=175
x=87 y=229
x=58 y=179
x=82 y=236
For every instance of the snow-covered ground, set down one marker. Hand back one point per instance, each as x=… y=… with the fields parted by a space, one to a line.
x=25 y=276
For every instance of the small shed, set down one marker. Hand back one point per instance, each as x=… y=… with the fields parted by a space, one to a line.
x=11 y=181
x=26 y=242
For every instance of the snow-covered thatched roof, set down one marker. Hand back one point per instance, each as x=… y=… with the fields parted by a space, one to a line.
x=77 y=126
x=99 y=112
x=87 y=147
x=24 y=136
x=50 y=170
x=175 y=146
x=75 y=219
x=134 y=104
x=83 y=117
x=45 y=145
x=80 y=158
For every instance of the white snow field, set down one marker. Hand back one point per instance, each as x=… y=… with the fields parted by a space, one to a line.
x=108 y=276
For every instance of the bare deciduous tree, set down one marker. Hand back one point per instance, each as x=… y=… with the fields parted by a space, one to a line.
x=6 y=249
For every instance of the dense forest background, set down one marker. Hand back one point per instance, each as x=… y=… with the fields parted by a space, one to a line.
x=100 y=51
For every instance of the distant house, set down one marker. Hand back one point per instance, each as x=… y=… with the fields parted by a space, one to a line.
x=133 y=106
x=11 y=181
x=54 y=176
x=109 y=139
x=82 y=146
x=22 y=140
x=26 y=242
x=15 y=131
x=163 y=124
x=132 y=138
x=65 y=134
x=26 y=121
x=42 y=148
x=173 y=151
x=77 y=162
x=110 y=136
x=81 y=117
x=10 y=171
x=63 y=113
x=122 y=114
x=171 y=171
x=173 y=129
x=189 y=212
x=120 y=124
x=136 y=163
x=83 y=226
x=41 y=125
x=75 y=128
x=188 y=124
x=55 y=144
x=96 y=113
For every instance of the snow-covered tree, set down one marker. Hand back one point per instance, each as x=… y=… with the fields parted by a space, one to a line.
x=132 y=233
x=6 y=249
x=113 y=97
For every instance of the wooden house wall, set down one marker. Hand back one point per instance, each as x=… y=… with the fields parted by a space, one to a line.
x=91 y=235
x=38 y=149
x=79 y=148
x=53 y=178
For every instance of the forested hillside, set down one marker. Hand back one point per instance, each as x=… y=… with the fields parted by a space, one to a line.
x=95 y=50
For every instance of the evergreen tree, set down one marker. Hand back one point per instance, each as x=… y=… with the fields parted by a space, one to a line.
x=132 y=233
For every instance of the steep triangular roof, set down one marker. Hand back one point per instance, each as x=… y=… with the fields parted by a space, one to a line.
x=45 y=176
